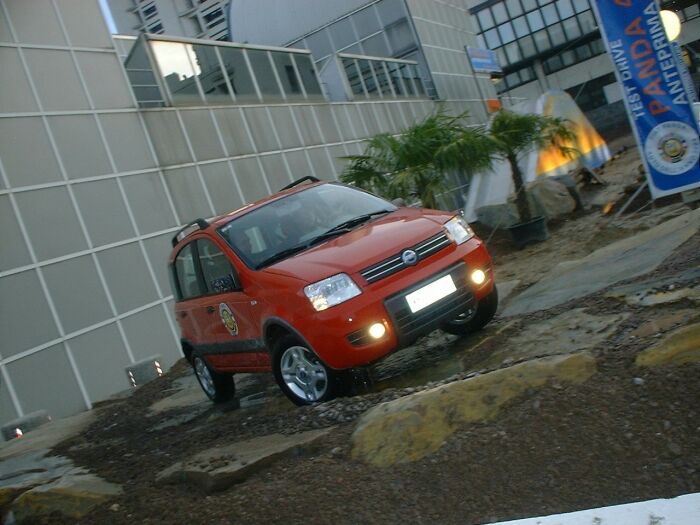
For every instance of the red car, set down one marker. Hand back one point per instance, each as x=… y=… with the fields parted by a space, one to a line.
x=320 y=278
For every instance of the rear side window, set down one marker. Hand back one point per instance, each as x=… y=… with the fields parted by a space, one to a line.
x=219 y=275
x=186 y=274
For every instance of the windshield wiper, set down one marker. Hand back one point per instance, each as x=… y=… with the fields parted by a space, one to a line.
x=282 y=255
x=346 y=226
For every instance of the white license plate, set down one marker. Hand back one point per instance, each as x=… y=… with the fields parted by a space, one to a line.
x=430 y=293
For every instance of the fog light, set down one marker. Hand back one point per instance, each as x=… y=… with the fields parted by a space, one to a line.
x=377 y=330
x=478 y=277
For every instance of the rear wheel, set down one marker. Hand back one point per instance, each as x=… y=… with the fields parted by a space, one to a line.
x=301 y=376
x=469 y=322
x=218 y=387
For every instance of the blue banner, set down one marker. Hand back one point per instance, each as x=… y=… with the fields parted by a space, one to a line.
x=658 y=105
x=484 y=60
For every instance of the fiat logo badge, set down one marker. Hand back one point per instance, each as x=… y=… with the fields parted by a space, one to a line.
x=409 y=257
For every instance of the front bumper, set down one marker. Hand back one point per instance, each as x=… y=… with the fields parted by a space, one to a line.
x=384 y=302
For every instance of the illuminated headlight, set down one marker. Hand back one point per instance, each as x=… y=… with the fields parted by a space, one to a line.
x=458 y=230
x=331 y=291
x=478 y=277
x=377 y=330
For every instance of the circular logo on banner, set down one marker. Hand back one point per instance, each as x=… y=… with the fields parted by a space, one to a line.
x=672 y=147
x=228 y=319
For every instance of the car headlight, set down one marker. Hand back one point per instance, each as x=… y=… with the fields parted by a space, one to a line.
x=458 y=230
x=331 y=291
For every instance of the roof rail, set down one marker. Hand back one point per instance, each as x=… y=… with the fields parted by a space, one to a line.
x=310 y=178
x=200 y=224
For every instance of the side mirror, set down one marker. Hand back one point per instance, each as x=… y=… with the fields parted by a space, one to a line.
x=398 y=202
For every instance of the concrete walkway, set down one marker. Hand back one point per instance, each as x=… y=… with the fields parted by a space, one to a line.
x=683 y=510
x=625 y=259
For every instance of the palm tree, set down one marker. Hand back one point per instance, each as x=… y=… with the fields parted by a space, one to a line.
x=412 y=162
x=418 y=159
x=510 y=137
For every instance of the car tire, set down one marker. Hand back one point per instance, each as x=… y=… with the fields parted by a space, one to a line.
x=485 y=311
x=217 y=387
x=300 y=374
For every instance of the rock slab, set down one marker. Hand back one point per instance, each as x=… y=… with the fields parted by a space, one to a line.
x=219 y=468
x=412 y=427
x=678 y=347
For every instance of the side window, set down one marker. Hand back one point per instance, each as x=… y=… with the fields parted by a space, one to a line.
x=219 y=275
x=186 y=273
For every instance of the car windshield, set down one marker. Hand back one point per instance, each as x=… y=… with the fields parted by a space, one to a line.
x=289 y=225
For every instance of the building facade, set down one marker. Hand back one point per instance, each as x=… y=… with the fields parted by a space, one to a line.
x=556 y=44
x=189 y=18
x=101 y=162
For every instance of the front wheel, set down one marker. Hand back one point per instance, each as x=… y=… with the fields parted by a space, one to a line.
x=218 y=387
x=301 y=376
x=466 y=324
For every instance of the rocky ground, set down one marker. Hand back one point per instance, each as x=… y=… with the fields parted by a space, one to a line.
x=551 y=411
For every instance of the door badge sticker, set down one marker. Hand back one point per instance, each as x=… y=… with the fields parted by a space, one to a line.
x=228 y=319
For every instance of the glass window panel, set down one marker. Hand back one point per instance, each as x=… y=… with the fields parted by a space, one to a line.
x=520 y=26
x=382 y=78
x=565 y=8
x=514 y=8
x=288 y=76
x=408 y=83
x=175 y=63
x=529 y=5
x=395 y=77
x=552 y=64
x=568 y=57
x=506 y=32
x=238 y=73
x=376 y=46
x=556 y=33
x=186 y=274
x=527 y=46
x=308 y=75
x=216 y=268
x=535 y=20
x=418 y=80
x=353 y=75
x=492 y=40
x=527 y=74
x=597 y=47
x=550 y=15
x=583 y=52
x=391 y=10
x=366 y=21
x=211 y=77
x=513 y=53
x=501 y=54
x=485 y=19
x=587 y=22
x=541 y=40
x=368 y=77
x=262 y=69
x=319 y=44
x=571 y=29
x=499 y=13
x=342 y=34
x=581 y=5
x=400 y=37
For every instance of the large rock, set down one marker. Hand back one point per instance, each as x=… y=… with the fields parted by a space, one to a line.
x=546 y=196
x=219 y=468
x=411 y=427
x=72 y=495
x=616 y=262
x=678 y=347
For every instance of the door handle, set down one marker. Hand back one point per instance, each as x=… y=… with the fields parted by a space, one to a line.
x=210 y=309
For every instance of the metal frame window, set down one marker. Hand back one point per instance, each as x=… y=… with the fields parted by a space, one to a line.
x=374 y=77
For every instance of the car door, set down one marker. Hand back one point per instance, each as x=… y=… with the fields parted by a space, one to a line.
x=190 y=291
x=228 y=308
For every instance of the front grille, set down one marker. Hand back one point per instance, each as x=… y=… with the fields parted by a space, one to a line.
x=411 y=325
x=394 y=263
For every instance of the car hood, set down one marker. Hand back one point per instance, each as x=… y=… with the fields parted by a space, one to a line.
x=366 y=245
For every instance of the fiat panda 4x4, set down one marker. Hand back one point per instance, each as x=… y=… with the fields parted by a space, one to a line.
x=321 y=278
